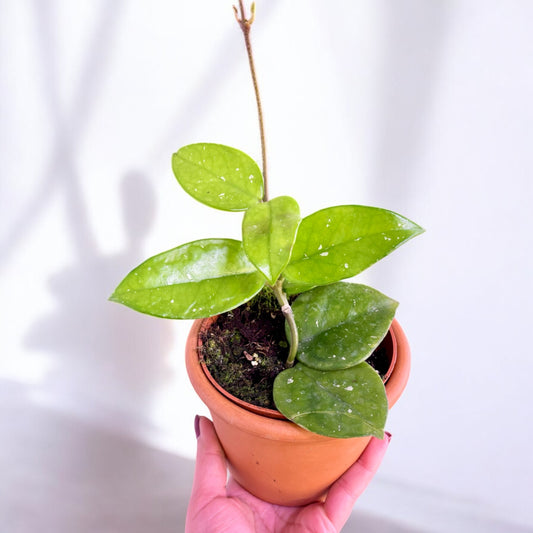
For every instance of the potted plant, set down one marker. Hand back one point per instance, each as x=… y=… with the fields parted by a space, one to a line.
x=321 y=401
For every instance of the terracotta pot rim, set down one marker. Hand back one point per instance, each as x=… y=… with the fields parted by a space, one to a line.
x=273 y=428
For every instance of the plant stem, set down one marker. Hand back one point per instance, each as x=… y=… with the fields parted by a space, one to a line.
x=246 y=25
x=289 y=317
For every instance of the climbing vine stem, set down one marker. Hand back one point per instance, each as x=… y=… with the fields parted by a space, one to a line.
x=246 y=25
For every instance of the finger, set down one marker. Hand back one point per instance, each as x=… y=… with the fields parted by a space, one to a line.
x=210 y=470
x=345 y=491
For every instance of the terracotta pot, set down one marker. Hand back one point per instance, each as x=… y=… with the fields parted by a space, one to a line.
x=275 y=459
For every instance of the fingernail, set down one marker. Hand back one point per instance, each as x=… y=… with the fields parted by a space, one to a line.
x=388 y=436
x=197 y=425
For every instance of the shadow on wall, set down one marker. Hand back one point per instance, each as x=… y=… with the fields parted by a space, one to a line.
x=69 y=122
x=104 y=354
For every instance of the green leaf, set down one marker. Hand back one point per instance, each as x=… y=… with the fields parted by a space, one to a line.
x=268 y=233
x=195 y=280
x=339 y=242
x=292 y=288
x=218 y=176
x=341 y=403
x=340 y=325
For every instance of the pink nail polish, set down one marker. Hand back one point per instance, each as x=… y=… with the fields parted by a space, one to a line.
x=197 y=425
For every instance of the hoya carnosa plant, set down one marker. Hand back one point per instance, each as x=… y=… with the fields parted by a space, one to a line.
x=332 y=326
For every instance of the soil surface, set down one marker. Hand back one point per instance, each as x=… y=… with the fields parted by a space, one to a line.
x=245 y=349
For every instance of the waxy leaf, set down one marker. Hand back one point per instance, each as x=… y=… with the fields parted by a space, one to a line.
x=291 y=288
x=218 y=176
x=340 y=325
x=195 y=280
x=268 y=233
x=341 y=403
x=339 y=242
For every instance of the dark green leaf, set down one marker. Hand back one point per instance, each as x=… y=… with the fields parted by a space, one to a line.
x=218 y=176
x=340 y=403
x=268 y=233
x=195 y=280
x=340 y=325
x=339 y=242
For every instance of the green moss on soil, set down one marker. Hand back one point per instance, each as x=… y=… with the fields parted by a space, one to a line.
x=245 y=349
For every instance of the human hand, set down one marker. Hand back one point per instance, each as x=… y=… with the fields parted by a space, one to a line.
x=220 y=507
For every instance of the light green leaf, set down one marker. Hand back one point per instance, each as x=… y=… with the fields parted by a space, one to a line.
x=339 y=242
x=341 y=403
x=340 y=325
x=292 y=288
x=195 y=280
x=268 y=233
x=218 y=176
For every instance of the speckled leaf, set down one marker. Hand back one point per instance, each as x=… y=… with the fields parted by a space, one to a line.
x=339 y=242
x=218 y=176
x=268 y=233
x=340 y=403
x=341 y=324
x=195 y=280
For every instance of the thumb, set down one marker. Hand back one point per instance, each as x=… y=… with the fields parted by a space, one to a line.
x=210 y=473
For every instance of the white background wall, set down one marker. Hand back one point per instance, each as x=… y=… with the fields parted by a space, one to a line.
x=420 y=107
